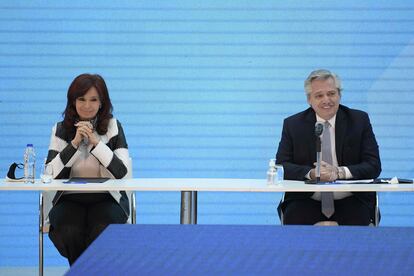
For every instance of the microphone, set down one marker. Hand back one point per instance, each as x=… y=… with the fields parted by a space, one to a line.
x=318 y=128
x=85 y=140
x=318 y=132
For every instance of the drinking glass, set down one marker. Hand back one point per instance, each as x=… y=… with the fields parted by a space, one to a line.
x=47 y=173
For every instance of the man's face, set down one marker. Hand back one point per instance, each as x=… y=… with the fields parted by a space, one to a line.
x=324 y=98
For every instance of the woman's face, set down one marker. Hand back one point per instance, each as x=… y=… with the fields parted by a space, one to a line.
x=87 y=106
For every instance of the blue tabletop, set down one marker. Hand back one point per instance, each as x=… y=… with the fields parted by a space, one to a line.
x=248 y=250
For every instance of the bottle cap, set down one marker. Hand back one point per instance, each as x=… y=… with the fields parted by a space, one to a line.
x=29 y=145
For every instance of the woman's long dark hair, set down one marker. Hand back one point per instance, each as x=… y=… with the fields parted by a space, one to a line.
x=78 y=88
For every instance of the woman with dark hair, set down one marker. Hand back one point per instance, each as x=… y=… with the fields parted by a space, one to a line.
x=89 y=142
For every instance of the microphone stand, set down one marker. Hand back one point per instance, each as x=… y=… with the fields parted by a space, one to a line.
x=318 y=159
x=318 y=133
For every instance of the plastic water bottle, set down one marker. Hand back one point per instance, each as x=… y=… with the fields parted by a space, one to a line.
x=271 y=172
x=29 y=164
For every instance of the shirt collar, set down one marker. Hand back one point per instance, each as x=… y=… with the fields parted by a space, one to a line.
x=331 y=120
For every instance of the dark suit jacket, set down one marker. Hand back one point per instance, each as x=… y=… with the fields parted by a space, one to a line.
x=356 y=148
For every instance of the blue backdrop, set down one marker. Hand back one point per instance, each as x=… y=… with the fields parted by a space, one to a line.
x=201 y=88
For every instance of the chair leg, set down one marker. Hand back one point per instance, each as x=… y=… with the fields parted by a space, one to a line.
x=41 y=234
x=133 y=209
x=376 y=219
x=41 y=254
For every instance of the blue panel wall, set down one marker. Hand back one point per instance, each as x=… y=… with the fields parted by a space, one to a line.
x=201 y=88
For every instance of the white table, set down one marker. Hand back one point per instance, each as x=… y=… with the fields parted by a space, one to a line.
x=190 y=186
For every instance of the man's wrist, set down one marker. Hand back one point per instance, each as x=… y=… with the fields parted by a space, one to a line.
x=311 y=174
x=341 y=172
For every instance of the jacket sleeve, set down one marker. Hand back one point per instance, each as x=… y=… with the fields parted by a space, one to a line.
x=114 y=155
x=285 y=155
x=61 y=155
x=369 y=163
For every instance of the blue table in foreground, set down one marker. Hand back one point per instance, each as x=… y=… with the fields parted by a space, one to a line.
x=248 y=250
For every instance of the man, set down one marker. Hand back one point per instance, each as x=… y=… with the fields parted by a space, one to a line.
x=350 y=152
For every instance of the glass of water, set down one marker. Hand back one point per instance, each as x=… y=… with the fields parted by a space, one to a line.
x=280 y=173
x=47 y=173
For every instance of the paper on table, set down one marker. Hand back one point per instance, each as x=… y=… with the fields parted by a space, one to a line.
x=355 y=181
x=14 y=180
x=77 y=180
x=393 y=180
x=396 y=180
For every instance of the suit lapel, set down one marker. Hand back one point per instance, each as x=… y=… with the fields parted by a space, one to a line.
x=310 y=119
x=340 y=131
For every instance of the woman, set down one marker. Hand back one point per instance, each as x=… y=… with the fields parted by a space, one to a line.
x=89 y=142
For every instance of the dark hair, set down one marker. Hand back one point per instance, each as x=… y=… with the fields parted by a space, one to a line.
x=78 y=88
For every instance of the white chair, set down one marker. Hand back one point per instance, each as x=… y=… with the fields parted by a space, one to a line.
x=45 y=204
x=374 y=221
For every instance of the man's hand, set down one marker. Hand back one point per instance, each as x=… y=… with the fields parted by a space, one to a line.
x=328 y=172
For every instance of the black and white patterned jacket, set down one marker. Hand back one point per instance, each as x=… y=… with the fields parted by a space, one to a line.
x=111 y=152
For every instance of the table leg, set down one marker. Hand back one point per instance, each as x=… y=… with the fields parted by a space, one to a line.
x=188 y=214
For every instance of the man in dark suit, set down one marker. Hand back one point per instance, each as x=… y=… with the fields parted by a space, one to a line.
x=353 y=154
